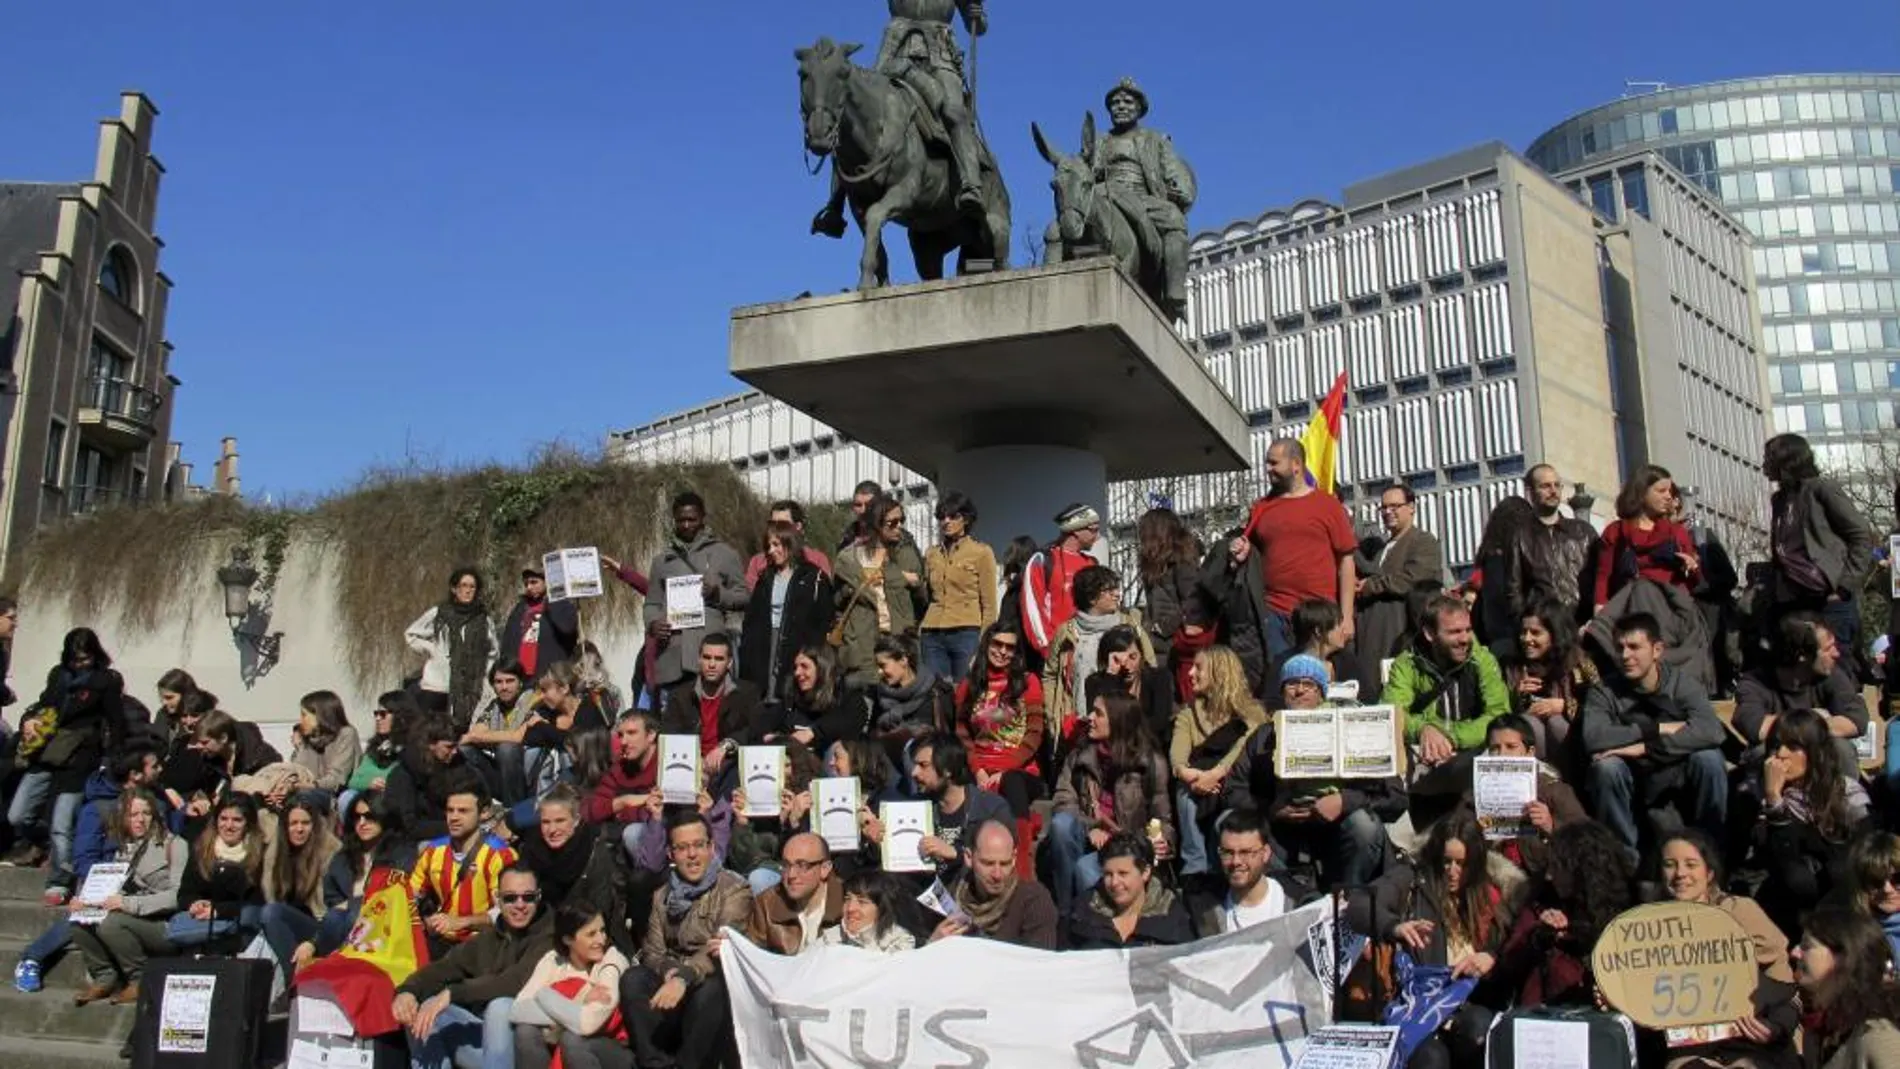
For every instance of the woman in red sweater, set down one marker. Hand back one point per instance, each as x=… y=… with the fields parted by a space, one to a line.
x=999 y=717
x=1645 y=540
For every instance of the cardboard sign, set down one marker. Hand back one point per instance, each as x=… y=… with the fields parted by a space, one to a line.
x=1676 y=964
x=679 y=769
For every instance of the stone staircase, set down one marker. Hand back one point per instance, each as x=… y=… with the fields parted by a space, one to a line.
x=46 y=1031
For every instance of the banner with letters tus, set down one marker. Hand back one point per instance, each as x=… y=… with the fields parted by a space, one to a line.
x=1247 y=998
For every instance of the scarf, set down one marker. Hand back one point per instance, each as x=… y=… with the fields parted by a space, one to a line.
x=985 y=911
x=726 y=686
x=236 y=854
x=1890 y=924
x=681 y=895
x=559 y=869
x=465 y=629
x=1089 y=629
x=901 y=709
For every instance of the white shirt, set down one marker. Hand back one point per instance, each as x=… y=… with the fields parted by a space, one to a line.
x=1235 y=916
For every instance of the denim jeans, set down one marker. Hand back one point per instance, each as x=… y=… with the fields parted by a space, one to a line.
x=630 y=838
x=57 y=938
x=29 y=801
x=948 y=651
x=285 y=926
x=1702 y=797
x=1351 y=851
x=463 y=1040
x=1276 y=631
x=1076 y=869
x=184 y=930
x=1187 y=807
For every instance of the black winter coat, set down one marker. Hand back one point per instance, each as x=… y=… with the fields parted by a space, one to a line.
x=810 y=607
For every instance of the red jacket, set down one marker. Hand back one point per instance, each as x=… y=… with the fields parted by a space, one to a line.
x=1659 y=555
x=619 y=781
x=1049 y=593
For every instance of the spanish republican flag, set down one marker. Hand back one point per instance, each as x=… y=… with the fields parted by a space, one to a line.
x=1322 y=437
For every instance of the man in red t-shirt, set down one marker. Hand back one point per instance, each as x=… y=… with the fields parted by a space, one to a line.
x=1305 y=545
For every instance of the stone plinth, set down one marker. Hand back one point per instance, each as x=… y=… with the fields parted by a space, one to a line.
x=1069 y=355
x=1025 y=389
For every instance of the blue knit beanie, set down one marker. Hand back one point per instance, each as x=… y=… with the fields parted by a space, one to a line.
x=1305 y=666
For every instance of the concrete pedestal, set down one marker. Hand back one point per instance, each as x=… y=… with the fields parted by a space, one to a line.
x=1018 y=488
x=1024 y=389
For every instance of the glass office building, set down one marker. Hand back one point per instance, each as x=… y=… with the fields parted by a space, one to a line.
x=1809 y=164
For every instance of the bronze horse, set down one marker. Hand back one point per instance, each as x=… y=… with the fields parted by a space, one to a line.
x=885 y=167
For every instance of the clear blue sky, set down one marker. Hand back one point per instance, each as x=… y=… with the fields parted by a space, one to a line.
x=450 y=232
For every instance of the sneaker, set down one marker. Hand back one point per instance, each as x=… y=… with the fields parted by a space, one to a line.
x=26 y=977
x=22 y=856
x=54 y=897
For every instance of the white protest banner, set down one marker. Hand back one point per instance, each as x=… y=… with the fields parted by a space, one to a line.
x=1675 y=964
x=1248 y=998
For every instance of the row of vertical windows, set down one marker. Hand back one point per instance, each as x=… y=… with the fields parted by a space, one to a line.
x=1830 y=257
x=1809 y=220
x=1831 y=336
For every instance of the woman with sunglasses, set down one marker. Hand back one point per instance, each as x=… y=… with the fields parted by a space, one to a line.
x=374 y=837
x=879 y=589
x=1873 y=882
x=999 y=716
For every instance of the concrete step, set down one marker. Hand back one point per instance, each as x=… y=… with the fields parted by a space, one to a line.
x=23 y=921
x=52 y=1015
x=23 y=884
x=18 y=1052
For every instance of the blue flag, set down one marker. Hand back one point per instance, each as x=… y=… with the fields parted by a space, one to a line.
x=1427 y=998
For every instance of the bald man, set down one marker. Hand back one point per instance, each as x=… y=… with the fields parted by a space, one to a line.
x=808 y=899
x=993 y=901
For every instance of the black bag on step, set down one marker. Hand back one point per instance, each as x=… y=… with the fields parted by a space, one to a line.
x=195 y=1013
x=1611 y=1036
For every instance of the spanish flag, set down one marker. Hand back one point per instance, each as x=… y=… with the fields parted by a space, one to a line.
x=1321 y=440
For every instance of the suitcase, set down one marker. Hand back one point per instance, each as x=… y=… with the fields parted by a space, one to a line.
x=1611 y=1036
x=197 y=1013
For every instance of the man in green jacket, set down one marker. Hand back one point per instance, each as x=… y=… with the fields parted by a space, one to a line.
x=461 y=1001
x=1447 y=688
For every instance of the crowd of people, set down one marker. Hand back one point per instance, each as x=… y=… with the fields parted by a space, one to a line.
x=1098 y=751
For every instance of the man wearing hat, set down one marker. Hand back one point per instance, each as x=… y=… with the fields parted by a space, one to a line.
x=538 y=633
x=1049 y=577
x=1340 y=822
x=1151 y=185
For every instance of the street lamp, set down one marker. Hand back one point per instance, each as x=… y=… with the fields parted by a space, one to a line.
x=237 y=580
x=1580 y=502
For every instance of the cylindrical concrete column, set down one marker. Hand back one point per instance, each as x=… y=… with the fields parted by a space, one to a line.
x=1018 y=489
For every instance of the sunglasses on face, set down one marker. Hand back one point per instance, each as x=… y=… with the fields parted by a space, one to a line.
x=1002 y=644
x=519 y=899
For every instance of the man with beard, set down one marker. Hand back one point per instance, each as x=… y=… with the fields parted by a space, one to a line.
x=539 y=632
x=461 y=1001
x=1559 y=545
x=993 y=902
x=1305 y=545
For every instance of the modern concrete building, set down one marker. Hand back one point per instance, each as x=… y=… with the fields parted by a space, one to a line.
x=1487 y=319
x=88 y=388
x=1810 y=165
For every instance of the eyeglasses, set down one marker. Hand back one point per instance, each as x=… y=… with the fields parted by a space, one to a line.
x=381 y=713
x=802 y=867
x=892 y=523
x=1300 y=684
x=521 y=899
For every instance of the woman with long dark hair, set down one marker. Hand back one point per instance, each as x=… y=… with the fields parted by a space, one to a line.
x=1645 y=541
x=1009 y=597
x=791 y=608
x=1446 y=910
x=1168 y=565
x=1873 y=882
x=222 y=891
x=999 y=716
x=1545 y=959
x=1548 y=676
x=1115 y=779
x=822 y=707
x=1812 y=803
x=173 y=688
x=1846 y=973
x=296 y=861
x=80 y=717
x=457 y=641
x=374 y=837
x=324 y=742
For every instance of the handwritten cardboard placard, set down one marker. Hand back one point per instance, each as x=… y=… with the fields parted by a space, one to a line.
x=1676 y=964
